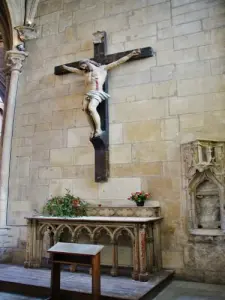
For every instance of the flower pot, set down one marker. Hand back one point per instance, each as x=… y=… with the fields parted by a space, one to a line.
x=142 y=203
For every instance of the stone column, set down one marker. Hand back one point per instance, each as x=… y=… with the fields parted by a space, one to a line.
x=14 y=61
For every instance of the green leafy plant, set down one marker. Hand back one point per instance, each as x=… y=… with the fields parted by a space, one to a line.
x=65 y=206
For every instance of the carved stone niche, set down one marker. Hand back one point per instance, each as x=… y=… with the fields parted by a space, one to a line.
x=203 y=176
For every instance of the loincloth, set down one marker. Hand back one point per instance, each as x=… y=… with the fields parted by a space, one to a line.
x=97 y=95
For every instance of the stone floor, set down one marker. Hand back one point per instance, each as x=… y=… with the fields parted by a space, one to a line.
x=114 y=287
x=182 y=290
x=177 y=290
x=7 y=296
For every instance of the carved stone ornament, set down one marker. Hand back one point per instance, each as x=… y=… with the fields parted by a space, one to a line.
x=201 y=155
x=98 y=37
x=204 y=173
x=15 y=59
x=26 y=32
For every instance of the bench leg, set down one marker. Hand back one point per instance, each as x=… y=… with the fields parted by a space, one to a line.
x=96 y=289
x=55 y=281
x=73 y=267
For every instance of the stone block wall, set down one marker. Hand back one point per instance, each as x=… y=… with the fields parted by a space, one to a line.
x=155 y=104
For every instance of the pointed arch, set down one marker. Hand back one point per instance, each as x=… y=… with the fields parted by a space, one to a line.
x=118 y=232
x=194 y=183
x=6 y=25
x=60 y=229
x=78 y=230
x=43 y=228
x=98 y=230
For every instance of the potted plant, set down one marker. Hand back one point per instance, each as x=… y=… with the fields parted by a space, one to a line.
x=65 y=206
x=139 y=198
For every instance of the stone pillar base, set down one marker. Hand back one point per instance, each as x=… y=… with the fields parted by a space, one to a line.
x=114 y=272
x=135 y=276
x=143 y=277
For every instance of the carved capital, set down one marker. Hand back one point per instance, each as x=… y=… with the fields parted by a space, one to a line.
x=98 y=37
x=15 y=59
x=26 y=32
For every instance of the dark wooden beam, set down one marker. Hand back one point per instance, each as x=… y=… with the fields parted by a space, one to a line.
x=145 y=52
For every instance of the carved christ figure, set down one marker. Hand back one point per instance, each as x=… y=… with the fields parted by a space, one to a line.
x=94 y=77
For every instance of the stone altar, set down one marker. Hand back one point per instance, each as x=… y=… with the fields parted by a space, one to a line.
x=141 y=224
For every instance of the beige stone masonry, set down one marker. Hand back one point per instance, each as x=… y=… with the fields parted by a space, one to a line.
x=201 y=85
x=111 y=24
x=141 y=131
x=120 y=154
x=137 y=111
x=192 y=40
x=178 y=56
x=133 y=33
x=164 y=89
x=194 y=7
x=155 y=104
x=151 y=14
x=193 y=69
x=112 y=189
x=62 y=157
x=215 y=22
x=136 y=169
x=192 y=16
x=179 y=30
x=211 y=51
x=88 y=14
x=131 y=93
x=218 y=66
x=169 y=128
x=48 y=7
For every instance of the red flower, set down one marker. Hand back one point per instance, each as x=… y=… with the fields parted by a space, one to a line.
x=76 y=202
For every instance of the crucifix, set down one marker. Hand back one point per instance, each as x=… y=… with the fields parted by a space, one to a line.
x=95 y=103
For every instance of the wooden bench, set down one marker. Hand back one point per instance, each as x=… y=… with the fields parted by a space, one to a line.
x=70 y=253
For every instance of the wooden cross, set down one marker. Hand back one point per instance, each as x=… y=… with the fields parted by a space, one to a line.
x=101 y=143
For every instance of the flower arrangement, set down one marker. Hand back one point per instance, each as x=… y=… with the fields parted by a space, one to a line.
x=65 y=206
x=139 y=198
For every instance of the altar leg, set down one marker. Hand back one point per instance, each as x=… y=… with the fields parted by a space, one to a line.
x=150 y=249
x=157 y=246
x=35 y=263
x=135 y=273
x=29 y=251
x=144 y=275
x=114 y=269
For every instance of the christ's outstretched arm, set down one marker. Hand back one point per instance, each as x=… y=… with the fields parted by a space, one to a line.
x=73 y=70
x=122 y=60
